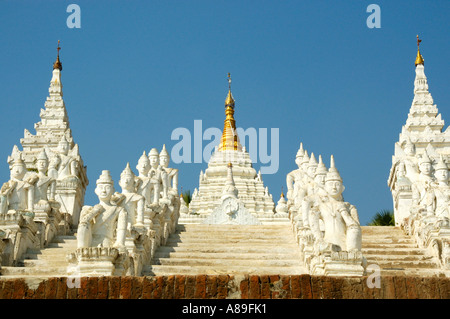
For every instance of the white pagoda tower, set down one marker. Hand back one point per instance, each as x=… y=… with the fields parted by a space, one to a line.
x=421 y=136
x=55 y=137
x=251 y=190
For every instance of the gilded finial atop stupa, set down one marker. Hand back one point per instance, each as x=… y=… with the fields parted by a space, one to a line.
x=57 y=64
x=229 y=140
x=229 y=101
x=419 y=58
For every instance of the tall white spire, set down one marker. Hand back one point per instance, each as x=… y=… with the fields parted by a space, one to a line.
x=55 y=136
x=423 y=119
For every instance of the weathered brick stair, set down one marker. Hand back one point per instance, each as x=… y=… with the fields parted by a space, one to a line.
x=396 y=253
x=228 y=249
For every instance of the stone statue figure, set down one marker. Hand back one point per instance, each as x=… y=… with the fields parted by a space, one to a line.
x=300 y=185
x=410 y=159
x=402 y=180
x=133 y=202
x=342 y=231
x=142 y=180
x=158 y=177
x=53 y=166
x=44 y=189
x=312 y=166
x=441 y=190
x=295 y=175
x=171 y=173
x=18 y=193
x=69 y=163
x=103 y=225
x=422 y=194
x=313 y=188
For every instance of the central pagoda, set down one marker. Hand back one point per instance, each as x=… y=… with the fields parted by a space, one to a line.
x=251 y=190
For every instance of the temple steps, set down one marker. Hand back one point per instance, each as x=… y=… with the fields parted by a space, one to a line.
x=44 y=263
x=228 y=249
x=213 y=262
x=396 y=253
x=158 y=270
x=225 y=255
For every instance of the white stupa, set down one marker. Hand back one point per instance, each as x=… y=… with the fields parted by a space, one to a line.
x=251 y=190
x=422 y=136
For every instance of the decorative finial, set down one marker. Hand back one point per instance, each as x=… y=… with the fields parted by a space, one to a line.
x=230 y=139
x=229 y=101
x=57 y=64
x=419 y=58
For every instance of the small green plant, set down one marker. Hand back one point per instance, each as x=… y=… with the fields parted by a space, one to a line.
x=383 y=218
x=187 y=197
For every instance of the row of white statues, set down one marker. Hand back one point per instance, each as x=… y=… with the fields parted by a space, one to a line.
x=135 y=221
x=421 y=193
x=139 y=193
x=37 y=186
x=147 y=208
x=428 y=180
x=327 y=227
x=31 y=194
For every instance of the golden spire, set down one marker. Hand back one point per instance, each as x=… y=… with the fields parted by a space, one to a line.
x=229 y=140
x=57 y=64
x=419 y=58
x=229 y=101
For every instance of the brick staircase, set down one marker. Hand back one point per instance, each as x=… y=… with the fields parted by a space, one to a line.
x=228 y=249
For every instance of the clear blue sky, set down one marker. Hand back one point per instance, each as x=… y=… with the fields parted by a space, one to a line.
x=137 y=70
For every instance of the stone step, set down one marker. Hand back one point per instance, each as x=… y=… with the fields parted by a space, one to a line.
x=387 y=246
x=162 y=270
x=229 y=255
x=37 y=264
x=419 y=272
x=376 y=230
x=396 y=240
x=64 y=239
x=32 y=280
x=237 y=249
x=230 y=249
x=44 y=259
x=235 y=228
x=260 y=235
x=374 y=257
x=403 y=264
x=31 y=271
x=222 y=242
x=217 y=263
x=393 y=251
x=66 y=244
x=46 y=254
